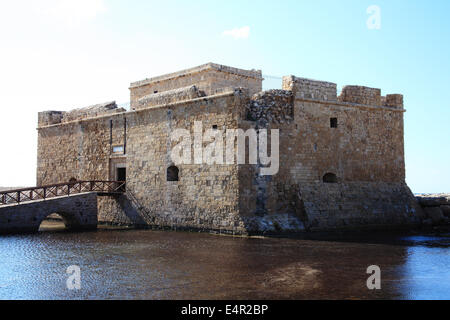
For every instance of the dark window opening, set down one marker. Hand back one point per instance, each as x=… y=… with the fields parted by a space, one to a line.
x=330 y=178
x=122 y=174
x=156 y=91
x=333 y=123
x=172 y=174
x=122 y=177
x=215 y=127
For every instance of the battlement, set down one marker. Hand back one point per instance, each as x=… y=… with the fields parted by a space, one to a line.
x=212 y=79
x=393 y=101
x=47 y=118
x=304 y=88
x=370 y=96
x=361 y=95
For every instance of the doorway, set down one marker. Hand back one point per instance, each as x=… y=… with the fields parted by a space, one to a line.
x=121 y=174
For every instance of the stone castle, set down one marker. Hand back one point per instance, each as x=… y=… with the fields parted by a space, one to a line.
x=341 y=158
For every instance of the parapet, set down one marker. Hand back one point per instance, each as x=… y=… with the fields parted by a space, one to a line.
x=209 y=78
x=361 y=95
x=393 y=101
x=304 y=88
x=48 y=118
x=171 y=96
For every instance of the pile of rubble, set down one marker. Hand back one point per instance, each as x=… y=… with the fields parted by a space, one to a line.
x=273 y=106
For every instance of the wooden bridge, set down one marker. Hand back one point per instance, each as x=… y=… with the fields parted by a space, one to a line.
x=23 y=210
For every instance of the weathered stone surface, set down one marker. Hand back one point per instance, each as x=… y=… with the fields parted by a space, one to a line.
x=394 y=101
x=361 y=95
x=446 y=210
x=79 y=212
x=170 y=96
x=433 y=200
x=48 y=118
x=209 y=78
x=93 y=111
x=304 y=88
x=435 y=214
x=272 y=106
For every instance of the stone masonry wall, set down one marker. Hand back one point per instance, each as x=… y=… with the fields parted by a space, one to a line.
x=364 y=151
x=171 y=96
x=436 y=209
x=210 y=78
x=206 y=195
x=361 y=95
x=272 y=106
x=78 y=149
x=204 y=198
x=310 y=89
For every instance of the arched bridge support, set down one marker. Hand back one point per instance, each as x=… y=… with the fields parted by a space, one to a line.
x=78 y=211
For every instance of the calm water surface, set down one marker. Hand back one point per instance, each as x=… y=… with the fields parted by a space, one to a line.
x=144 y=264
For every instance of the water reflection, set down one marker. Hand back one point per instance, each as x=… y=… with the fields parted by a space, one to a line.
x=170 y=265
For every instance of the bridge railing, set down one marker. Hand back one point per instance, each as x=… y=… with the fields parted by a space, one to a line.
x=59 y=190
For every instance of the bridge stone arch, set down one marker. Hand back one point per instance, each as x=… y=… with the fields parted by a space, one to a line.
x=79 y=212
x=71 y=221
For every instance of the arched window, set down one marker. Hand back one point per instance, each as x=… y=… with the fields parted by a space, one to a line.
x=172 y=173
x=330 y=178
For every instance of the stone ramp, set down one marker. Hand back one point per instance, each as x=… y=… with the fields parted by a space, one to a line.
x=79 y=212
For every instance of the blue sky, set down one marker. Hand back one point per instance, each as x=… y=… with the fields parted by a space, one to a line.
x=63 y=54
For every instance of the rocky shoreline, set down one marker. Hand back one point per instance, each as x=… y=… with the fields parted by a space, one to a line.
x=436 y=209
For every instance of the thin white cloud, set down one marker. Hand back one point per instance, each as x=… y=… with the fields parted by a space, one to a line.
x=72 y=12
x=238 y=33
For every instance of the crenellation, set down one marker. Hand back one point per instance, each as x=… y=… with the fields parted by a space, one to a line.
x=361 y=95
x=47 y=118
x=304 y=88
x=394 y=101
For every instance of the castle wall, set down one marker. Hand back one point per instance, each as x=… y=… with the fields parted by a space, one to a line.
x=204 y=198
x=365 y=151
x=78 y=149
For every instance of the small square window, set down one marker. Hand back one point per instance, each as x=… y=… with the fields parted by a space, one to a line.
x=117 y=149
x=215 y=127
x=333 y=122
x=156 y=91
